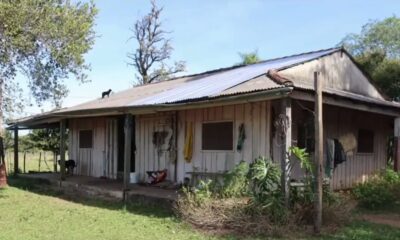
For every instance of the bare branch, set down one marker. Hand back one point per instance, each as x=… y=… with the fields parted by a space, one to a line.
x=153 y=49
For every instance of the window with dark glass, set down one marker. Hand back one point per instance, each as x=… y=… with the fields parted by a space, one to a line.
x=217 y=136
x=86 y=139
x=365 y=141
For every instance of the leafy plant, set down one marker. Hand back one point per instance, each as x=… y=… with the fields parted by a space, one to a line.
x=380 y=191
x=235 y=183
x=264 y=177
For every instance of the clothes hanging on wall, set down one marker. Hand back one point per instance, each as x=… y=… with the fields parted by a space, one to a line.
x=330 y=157
x=241 y=138
x=340 y=155
x=335 y=155
x=188 y=149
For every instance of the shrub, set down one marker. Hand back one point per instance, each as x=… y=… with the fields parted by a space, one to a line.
x=235 y=182
x=267 y=197
x=378 y=192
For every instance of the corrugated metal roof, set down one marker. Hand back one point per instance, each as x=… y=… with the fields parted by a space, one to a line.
x=213 y=84
x=208 y=85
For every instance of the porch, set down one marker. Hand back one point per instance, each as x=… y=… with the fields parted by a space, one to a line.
x=105 y=188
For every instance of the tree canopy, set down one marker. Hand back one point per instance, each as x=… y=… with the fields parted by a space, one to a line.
x=377 y=49
x=45 y=40
x=249 y=58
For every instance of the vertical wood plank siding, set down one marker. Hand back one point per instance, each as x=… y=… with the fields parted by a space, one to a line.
x=256 y=119
x=101 y=159
x=261 y=140
x=343 y=124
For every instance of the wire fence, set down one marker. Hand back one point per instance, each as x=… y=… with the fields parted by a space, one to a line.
x=32 y=162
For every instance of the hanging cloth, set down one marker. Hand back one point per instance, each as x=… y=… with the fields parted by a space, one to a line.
x=188 y=150
x=330 y=157
x=241 y=138
x=340 y=155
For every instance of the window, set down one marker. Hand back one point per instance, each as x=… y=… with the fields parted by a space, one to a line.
x=217 y=136
x=86 y=139
x=365 y=141
x=305 y=135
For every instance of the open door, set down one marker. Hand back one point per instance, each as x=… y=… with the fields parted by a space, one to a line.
x=121 y=146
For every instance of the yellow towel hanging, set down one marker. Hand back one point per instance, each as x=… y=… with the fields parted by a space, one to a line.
x=188 y=150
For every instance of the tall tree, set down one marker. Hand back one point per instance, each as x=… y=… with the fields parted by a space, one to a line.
x=377 y=49
x=45 y=40
x=154 y=49
x=249 y=58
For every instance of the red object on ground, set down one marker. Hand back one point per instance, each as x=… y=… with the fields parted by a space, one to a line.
x=157 y=176
x=3 y=176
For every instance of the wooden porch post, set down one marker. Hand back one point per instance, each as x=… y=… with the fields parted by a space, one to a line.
x=127 y=149
x=318 y=153
x=286 y=111
x=396 y=145
x=63 y=124
x=16 y=151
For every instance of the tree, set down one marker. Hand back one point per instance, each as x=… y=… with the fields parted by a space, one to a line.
x=377 y=50
x=154 y=49
x=249 y=58
x=45 y=40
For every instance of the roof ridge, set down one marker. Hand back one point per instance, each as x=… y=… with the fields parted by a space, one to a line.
x=243 y=65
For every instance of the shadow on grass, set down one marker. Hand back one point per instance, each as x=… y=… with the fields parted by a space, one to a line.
x=43 y=187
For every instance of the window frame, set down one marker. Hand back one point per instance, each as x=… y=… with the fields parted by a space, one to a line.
x=218 y=151
x=79 y=138
x=358 y=142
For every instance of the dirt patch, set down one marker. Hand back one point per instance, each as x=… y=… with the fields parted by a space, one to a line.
x=392 y=220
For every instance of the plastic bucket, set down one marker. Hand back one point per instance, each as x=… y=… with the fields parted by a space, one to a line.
x=134 y=177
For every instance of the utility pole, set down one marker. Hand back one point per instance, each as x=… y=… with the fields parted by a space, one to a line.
x=318 y=153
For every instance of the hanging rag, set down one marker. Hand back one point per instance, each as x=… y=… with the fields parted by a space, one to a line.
x=340 y=155
x=241 y=138
x=330 y=157
x=188 y=150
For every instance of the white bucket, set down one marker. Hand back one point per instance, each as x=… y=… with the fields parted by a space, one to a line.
x=134 y=177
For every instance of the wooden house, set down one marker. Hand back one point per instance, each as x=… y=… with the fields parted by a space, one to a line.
x=204 y=124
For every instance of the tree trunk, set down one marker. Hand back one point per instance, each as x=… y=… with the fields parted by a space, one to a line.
x=1 y=107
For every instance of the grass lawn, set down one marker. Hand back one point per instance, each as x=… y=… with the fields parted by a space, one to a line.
x=26 y=212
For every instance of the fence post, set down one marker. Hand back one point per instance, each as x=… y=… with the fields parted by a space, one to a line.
x=24 y=161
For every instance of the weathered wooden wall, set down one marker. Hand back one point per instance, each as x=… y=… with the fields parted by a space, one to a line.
x=261 y=140
x=343 y=124
x=255 y=117
x=148 y=157
x=101 y=160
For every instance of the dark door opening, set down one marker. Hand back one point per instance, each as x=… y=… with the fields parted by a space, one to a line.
x=121 y=145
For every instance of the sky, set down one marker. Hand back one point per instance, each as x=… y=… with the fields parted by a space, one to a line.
x=209 y=34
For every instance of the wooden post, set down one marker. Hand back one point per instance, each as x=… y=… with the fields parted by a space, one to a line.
x=40 y=160
x=127 y=149
x=318 y=153
x=25 y=162
x=286 y=112
x=16 y=151
x=55 y=161
x=396 y=145
x=63 y=124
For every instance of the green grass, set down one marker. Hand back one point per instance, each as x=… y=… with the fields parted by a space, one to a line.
x=365 y=231
x=30 y=212
x=35 y=214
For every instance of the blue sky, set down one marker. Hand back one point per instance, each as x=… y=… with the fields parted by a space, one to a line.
x=208 y=34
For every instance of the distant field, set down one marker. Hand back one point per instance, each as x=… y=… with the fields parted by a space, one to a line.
x=34 y=161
